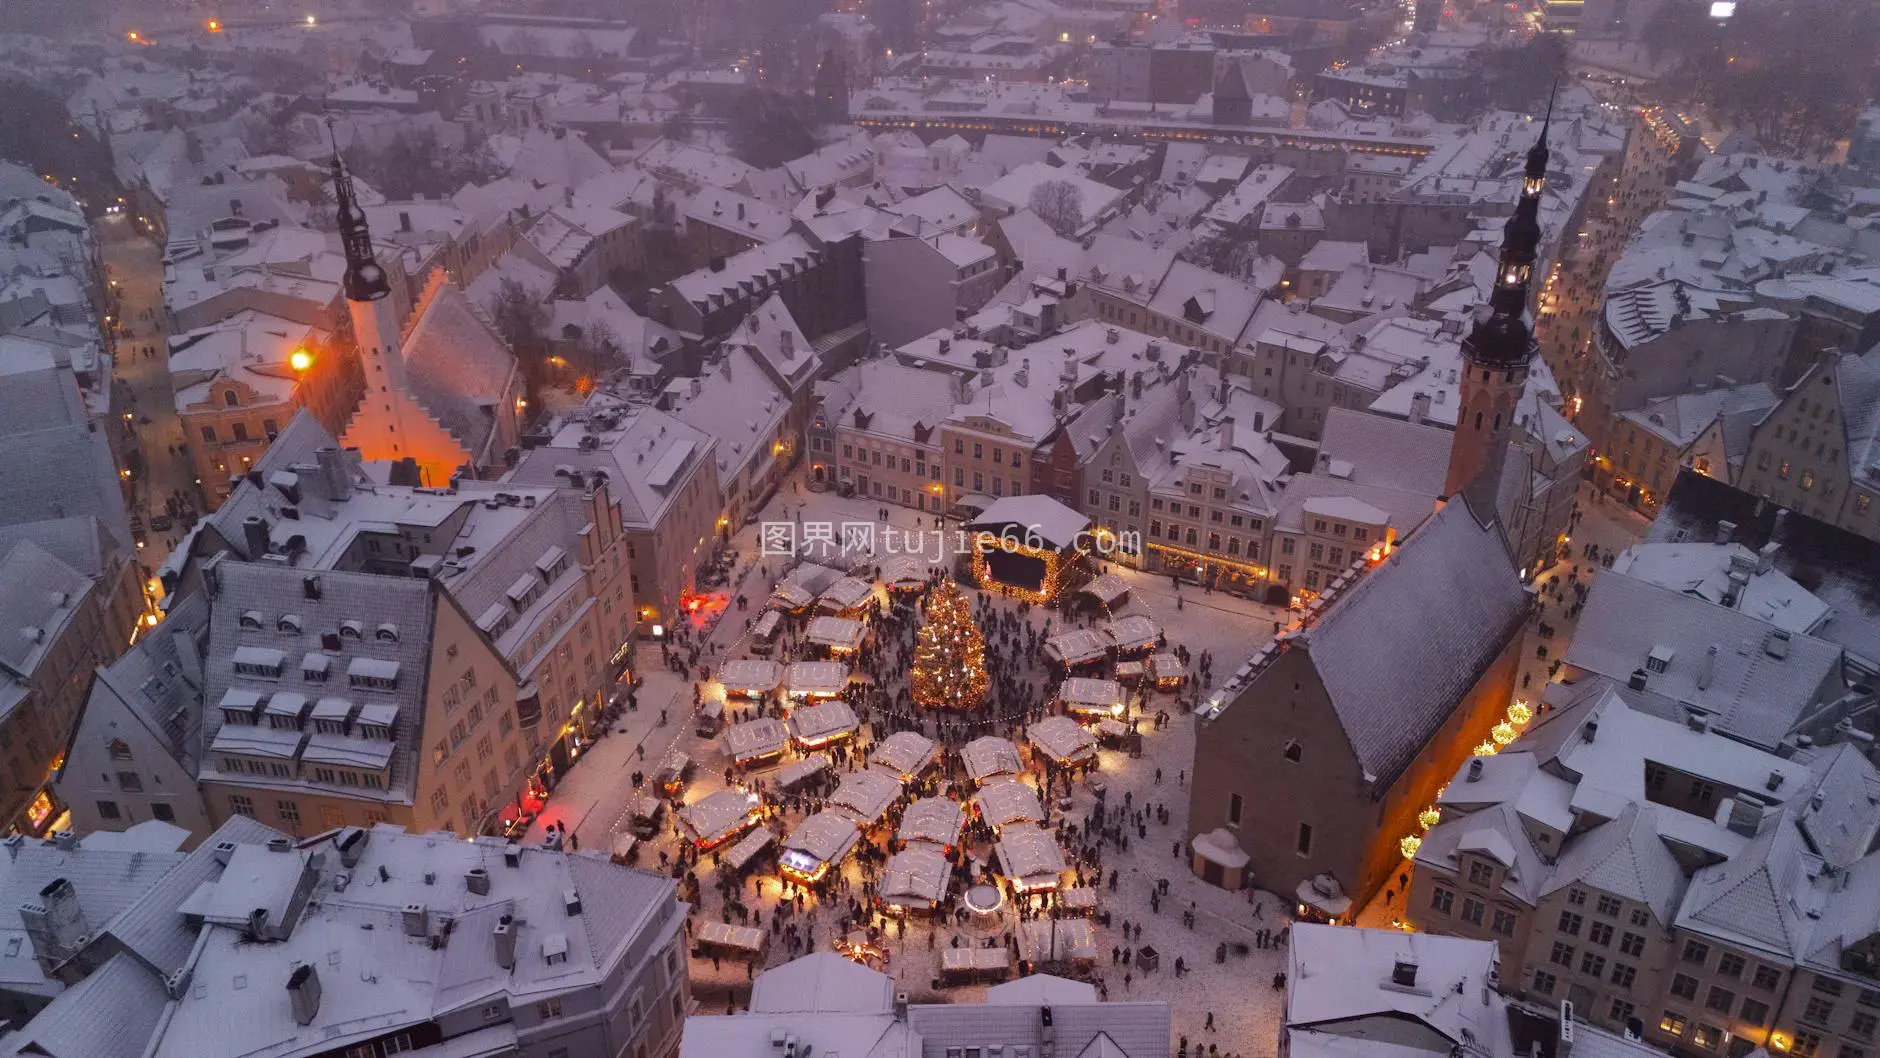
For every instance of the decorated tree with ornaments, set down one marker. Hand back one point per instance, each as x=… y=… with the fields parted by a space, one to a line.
x=950 y=655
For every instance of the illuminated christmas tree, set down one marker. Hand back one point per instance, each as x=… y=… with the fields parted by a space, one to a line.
x=950 y=656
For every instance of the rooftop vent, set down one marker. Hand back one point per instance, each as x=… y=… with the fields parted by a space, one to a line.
x=417 y=920
x=571 y=900
x=1475 y=770
x=303 y=992
x=477 y=881
x=1403 y=973
x=505 y=938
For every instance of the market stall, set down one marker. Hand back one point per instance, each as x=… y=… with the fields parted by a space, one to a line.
x=723 y=938
x=815 y=679
x=915 y=879
x=1091 y=699
x=847 y=597
x=1166 y=670
x=1082 y=899
x=763 y=637
x=1027 y=546
x=815 y=726
x=1030 y=859
x=674 y=771
x=798 y=772
x=818 y=843
x=1134 y=634
x=1063 y=741
x=837 y=635
x=989 y=756
x=1005 y=802
x=1109 y=590
x=1077 y=646
x=904 y=755
x=719 y=817
x=756 y=741
x=738 y=858
x=1046 y=940
x=1130 y=671
x=935 y=820
x=906 y=572
x=749 y=677
x=959 y=965
x=866 y=796
x=791 y=598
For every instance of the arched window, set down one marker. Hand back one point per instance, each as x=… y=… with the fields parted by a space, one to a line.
x=386 y=633
x=351 y=630
x=229 y=398
x=1478 y=420
x=288 y=623
x=251 y=619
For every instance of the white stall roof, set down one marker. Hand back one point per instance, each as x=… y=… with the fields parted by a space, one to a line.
x=990 y=755
x=1057 y=940
x=716 y=816
x=815 y=677
x=1091 y=695
x=1107 y=588
x=756 y=738
x=846 y=594
x=1134 y=632
x=1004 y=802
x=750 y=675
x=935 y=819
x=840 y=633
x=916 y=876
x=819 y=723
x=905 y=753
x=1165 y=667
x=1062 y=739
x=1077 y=646
x=1030 y=855
x=906 y=571
x=866 y=795
x=798 y=770
x=825 y=837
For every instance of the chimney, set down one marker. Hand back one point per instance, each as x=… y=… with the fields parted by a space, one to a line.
x=55 y=923
x=1475 y=770
x=13 y=844
x=1227 y=435
x=1419 y=406
x=512 y=855
x=1563 y=1044
x=1725 y=531
x=1707 y=669
x=1746 y=816
x=477 y=881
x=786 y=344
x=571 y=902
x=1766 y=557
x=255 y=536
x=505 y=934
x=417 y=920
x=65 y=840
x=352 y=845
x=223 y=851
x=900 y=1006
x=1403 y=973
x=1639 y=679
x=1589 y=731
x=333 y=467
x=303 y=993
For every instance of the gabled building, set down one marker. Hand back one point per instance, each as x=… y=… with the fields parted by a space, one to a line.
x=1320 y=753
x=1818 y=451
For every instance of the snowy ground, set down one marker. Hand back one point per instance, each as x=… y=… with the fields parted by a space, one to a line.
x=592 y=800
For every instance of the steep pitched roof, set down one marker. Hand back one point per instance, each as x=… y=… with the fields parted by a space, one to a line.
x=1626 y=858
x=1393 y=691
x=459 y=368
x=1750 y=899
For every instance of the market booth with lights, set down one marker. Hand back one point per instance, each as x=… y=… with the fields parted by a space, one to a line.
x=1027 y=547
x=719 y=817
x=818 y=843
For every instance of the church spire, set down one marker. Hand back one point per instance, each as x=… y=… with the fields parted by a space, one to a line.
x=365 y=279
x=1503 y=336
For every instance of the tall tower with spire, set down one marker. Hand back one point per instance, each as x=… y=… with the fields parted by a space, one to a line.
x=1499 y=349
x=368 y=289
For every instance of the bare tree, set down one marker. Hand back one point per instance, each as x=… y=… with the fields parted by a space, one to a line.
x=1060 y=204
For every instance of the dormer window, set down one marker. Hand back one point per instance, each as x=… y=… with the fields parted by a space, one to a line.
x=258 y=661
x=386 y=633
x=352 y=630
x=288 y=624
x=1659 y=659
x=251 y=619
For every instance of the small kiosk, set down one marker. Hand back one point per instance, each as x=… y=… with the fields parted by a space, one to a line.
x=818 y=843
x=738 y=858
x=723 y=938
x=756 y=741
x=1166 y=671
x=904 y=755
x=1090 y=699
x=798 y=772
x=1007 y=802
x=749 y=677
x=915 y=879
x=848 y=597
x=866 y=796
x=838 y=635
x=1030 y=859
x=816 y=726
x=815 y=680
x=719 y=817
x=1063 y=741
x=907 y=573
x=1109 y=590
x=961 y=965
x=934 y=820
x=989 y=757
x=1134 y=634
x=1077 y=648
x=1062 y=940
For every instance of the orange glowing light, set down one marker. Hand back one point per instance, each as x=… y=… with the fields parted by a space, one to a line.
x=300 y=360
x=215 y=25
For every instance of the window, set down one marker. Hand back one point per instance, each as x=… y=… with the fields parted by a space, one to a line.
x=1472 y=911
x=1868 y=998
x=1621 y=1011
x=1600 y=933
x=1720 y=999
x=1570 y=923
x=1861 y=1024
x=289 y=811
x=1766 y=978
x=1684 y=986
x=1755 y=1011
x=161 y=810
x=119 y=750
x=1480 y=873
x=1672 y=1024
x=1503 y=922
x=1576 y=897
x=398 y=1044
x=1304 y=844
x=1442 y=900
x=1806 y=1045
x=548 y=1008
x=208 y=434
x=1818 y=1011
x=1292 y=752
x=108 y=810
x=241 y=805
x=1640 y=917
x=1827 y=986
x=1731 y=965
x=1696 y=952
x=1544 y=982
x=1593 y=964
x=1233 y=809
x=1608 y=905
x=1623 y=974
x=1631 y=944
x=130 y=782
x=1562 y=955
x=1704 y=1036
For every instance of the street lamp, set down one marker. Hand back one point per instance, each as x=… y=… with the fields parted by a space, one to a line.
x=300 y=360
